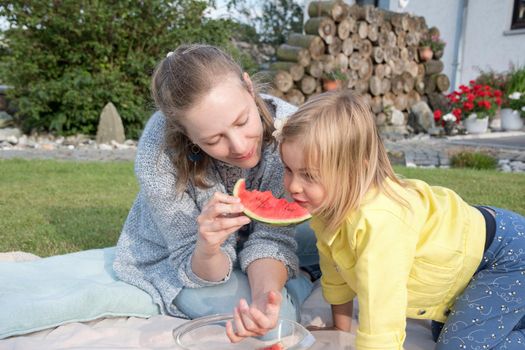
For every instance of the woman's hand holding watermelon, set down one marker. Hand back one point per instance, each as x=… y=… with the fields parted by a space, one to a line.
x=220 y=217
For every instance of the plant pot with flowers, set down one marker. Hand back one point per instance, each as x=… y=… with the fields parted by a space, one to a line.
x=476 y=123
x=438 y=46
x=514 y=112
x=425 y=48
x=450 y=121
x=475 y=104
x=334 y=80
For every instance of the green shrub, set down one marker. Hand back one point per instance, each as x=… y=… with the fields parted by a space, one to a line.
x=277 y=19
x=67 y=59
x=516 y=79
x=473 y=160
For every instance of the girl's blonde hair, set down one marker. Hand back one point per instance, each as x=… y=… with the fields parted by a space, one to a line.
x=343 y=151
x=179 y=82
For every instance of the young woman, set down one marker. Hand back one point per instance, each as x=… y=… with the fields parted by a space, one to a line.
x=404 y=248
x=185 y=240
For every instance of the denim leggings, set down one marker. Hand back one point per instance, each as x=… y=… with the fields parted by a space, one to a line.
x=221 y=299
x=490 y=313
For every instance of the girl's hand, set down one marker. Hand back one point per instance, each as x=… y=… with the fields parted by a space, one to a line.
x=220 y=217
x=255 y=320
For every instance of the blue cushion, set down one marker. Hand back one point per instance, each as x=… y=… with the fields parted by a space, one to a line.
x=74 y=287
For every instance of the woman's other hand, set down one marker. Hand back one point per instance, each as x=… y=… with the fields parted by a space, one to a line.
x=254 y=320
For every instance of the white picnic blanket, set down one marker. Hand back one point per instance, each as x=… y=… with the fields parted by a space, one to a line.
x=156 y=332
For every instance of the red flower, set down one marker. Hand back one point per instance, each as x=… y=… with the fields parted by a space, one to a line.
x=437 y=115
x=453 y=98
x=475 y=98
x=464 y=89
x=468 y=106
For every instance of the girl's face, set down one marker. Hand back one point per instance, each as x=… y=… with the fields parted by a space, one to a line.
x=298 y=180
x=226 y=124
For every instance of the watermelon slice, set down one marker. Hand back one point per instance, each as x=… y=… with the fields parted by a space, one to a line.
x=276 y=346
x=264 y=207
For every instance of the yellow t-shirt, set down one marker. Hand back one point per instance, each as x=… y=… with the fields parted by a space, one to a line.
x=401 y=262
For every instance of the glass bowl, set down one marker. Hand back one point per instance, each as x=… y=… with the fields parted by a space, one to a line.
x=209 y=332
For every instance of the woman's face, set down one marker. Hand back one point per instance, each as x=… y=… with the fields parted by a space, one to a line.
x=225 y=124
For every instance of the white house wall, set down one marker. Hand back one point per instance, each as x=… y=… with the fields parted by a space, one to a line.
x=487 y=44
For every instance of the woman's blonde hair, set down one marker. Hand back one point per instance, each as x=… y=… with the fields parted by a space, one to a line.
x=343 y=150
x=179 y=82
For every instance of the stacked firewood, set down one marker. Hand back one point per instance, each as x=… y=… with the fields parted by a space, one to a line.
x=376 y=49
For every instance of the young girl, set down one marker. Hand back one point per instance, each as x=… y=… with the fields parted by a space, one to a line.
x=402 y=247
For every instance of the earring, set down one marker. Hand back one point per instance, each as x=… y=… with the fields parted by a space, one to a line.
x=195 y=153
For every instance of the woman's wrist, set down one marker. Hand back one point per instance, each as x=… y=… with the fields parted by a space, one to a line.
x=206 y=251
x=258 y=272
x=210 y=266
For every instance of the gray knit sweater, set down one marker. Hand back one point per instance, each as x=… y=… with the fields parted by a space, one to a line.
x=158 y=238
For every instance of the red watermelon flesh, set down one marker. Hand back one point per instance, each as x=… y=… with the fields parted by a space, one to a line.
x=276 y=346
x=264 y=207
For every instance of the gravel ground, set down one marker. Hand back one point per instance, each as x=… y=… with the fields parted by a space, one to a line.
x=416 y=151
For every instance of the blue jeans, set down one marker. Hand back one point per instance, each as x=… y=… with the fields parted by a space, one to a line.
x=490 y=313
x=221 y=299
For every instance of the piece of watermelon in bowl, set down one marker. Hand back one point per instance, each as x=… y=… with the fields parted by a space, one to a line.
x=264 y=207
x=276 y=346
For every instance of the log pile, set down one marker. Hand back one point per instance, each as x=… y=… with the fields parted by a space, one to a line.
x=376 y=49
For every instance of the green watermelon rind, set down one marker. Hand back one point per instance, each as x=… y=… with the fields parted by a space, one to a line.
x=274 y=222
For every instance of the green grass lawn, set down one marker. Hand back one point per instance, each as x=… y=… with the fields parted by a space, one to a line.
x=52 y=207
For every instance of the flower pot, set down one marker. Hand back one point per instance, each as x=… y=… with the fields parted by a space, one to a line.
x=449 y=127
x=438 y=54
x=330 y=85
x=425 y=53
x=511 y=119
x=475 y=125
